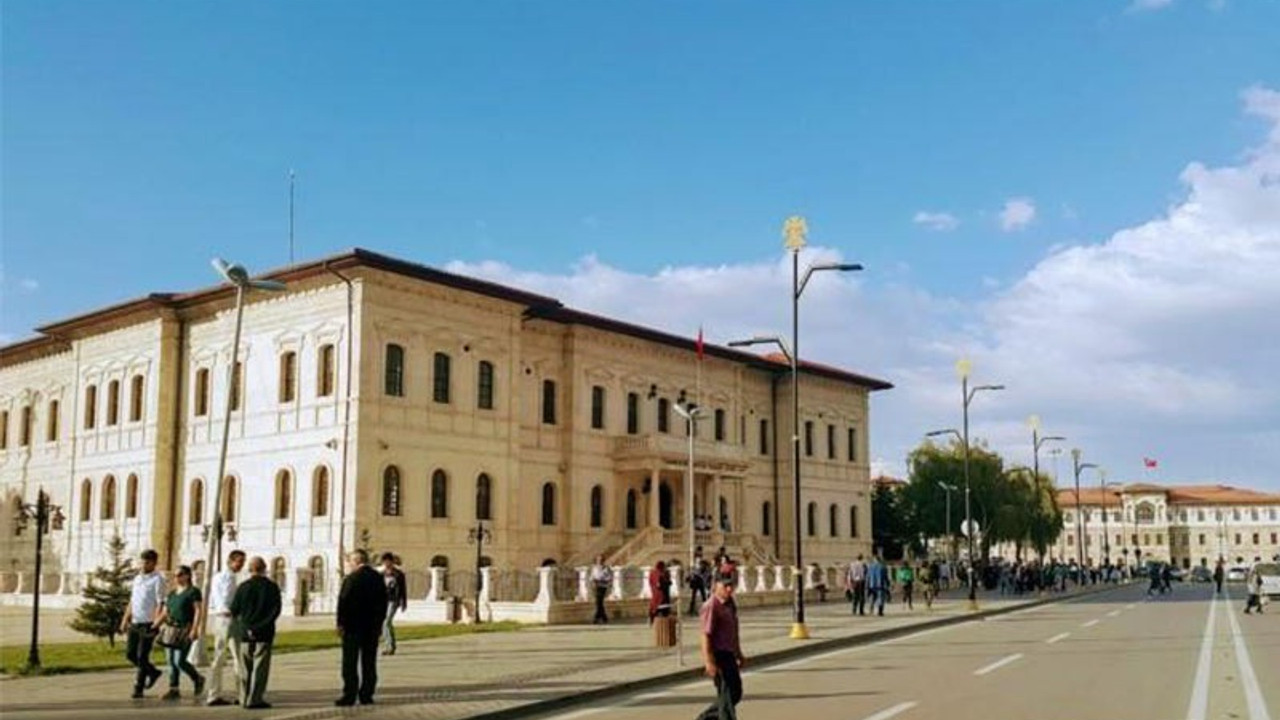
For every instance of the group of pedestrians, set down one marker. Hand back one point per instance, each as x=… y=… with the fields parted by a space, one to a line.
x=241 y=625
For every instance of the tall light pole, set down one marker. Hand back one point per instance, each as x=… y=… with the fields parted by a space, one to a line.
x=46 y=515
x=691 y=414
x=1036 y=442
x=1106 y=539
x=794 y=231
x=239 y=277
x=1076 y=467
x=949 y=489
x=963 y=366
x=478 y=536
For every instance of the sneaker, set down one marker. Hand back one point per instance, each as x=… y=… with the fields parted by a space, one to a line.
x=259 y=706
x=153 y=677
x=173 y=694
x=344 y=701
x=199 y=683
x=137 y=694
x=218 y=702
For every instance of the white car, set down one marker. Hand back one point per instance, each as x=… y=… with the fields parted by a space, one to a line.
x=1270 y=573
x=1237 y=574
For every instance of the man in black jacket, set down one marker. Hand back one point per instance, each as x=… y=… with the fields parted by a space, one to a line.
x=254 y=610
x=362 y=608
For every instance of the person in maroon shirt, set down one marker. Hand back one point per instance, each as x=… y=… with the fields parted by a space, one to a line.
x=721 y=652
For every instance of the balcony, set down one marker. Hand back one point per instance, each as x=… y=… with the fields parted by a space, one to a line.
x=639 y=452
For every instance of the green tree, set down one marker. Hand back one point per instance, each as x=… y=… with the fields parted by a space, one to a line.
x=892 y=523
x=106 y=595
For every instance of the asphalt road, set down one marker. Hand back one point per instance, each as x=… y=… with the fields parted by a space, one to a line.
x=1116 y=656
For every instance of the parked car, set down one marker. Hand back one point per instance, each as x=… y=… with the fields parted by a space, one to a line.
x=1270 y=573
x=1177 y=573
x=1201 y=574
x=1237 y=574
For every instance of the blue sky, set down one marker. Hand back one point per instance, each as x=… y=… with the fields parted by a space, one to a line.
x=953 y=148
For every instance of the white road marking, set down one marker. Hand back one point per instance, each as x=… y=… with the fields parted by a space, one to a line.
x=1113 y=613
x=1249 y=680
x=1091 y=623
x=895 y=710
x=1130 y=606
x=998 y=664
x=1198 y=709
x=1059 y=636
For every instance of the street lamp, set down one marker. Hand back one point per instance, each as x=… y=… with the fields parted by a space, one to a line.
x=950 y=545
x=1106 y=541
x=691 y=413
x=1036 y=442
x=478 y=536
x=1077 y=466
x=239 y=277
x=46 y=515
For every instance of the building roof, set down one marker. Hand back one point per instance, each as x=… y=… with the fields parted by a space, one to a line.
x=54 y=336
x=1174 y=495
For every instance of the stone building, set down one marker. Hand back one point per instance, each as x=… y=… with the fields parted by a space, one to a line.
x=385 y=404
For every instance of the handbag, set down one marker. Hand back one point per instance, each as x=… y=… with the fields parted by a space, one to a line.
x=171 y=636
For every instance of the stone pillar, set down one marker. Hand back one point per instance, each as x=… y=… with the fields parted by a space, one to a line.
x=810 y=577
x=780 y=574
x=437 y=579
x=674 y=572
x=760 y=579
x=743 y=586
x=645 y=592
x=584 y=575
x=654 y=495
x=545 y=576
x=486 y=583
x=23 y=580
x=616 y=594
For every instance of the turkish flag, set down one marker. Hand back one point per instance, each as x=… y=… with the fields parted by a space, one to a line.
x=1149 y=463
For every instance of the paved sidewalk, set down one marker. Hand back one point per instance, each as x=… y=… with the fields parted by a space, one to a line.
x=465 y=676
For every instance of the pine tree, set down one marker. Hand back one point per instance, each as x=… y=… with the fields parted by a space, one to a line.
x=106 y=595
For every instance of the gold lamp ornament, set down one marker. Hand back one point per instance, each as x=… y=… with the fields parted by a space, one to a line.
x=794 y=231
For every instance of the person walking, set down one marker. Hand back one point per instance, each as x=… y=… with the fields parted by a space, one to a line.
x=907 y=579
x=699 y=581
x=254 y=611
x=928 y=577
x=858 y=585
x=177 y=627
x=877 y=584
x=659 y=592
x=601 y=583
x=722 y=657
x=362 y=604
x=1218 y=576
x=1254 y=585
x=221 y=591
x=146 y=598
x=397 y=599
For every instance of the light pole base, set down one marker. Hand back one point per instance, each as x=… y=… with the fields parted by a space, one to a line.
x=799 y=631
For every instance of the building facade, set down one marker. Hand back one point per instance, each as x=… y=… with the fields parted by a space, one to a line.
x=1186 y=525
x=382 y=404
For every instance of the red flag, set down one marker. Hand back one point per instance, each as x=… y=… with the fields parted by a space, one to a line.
x=1149 y=463
x=701 y=352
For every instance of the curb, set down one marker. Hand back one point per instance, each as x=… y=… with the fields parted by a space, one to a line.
x=543 y=707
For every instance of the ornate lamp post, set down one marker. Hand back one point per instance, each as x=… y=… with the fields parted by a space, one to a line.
x=950 y=545
x=46 y=516
x=478 y=536
x=1036 y=442
x=1077 y=466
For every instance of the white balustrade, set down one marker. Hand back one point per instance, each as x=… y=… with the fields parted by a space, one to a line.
x=616 y=594
x=437 y=579
x=584 y=575
x=760 y=578
x=545 y=577
x=674 y=573
x=780 y=577
x=645 y=592
x=742 y=579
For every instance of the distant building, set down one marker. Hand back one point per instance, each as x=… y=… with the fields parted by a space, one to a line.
x=383 y=403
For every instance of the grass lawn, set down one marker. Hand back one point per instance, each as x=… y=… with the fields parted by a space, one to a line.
x=60 y=658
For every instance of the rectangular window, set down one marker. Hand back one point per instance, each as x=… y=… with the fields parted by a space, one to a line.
x=831 y=442
x=633 y=413
x=742 y=430
x=549 y=402
x=597 y=407
x=808 y=438
x=853 y=445
x=237 y=385
x=719 y=425
x=288 y=376
x=325 y=371
x=1201 y=538
x=764 y=437
x=664 y=415
x=201 y=404
x=1237 y=538
x=440 y=378
x=1255 y=538
x=113 y=402
x=853 y=521
x=1159 y=539
x=136 y=387
x=4 y=429
x=51 y=425
x=484 y=386
x=393 y=380
x=1273 y=538
x=24 y=430
x=1071 y=540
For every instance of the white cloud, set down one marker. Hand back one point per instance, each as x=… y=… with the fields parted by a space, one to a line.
x=1018 y=213
x=28 y=285
x=940 y=221
x=1159 y=340
x=1149 y=5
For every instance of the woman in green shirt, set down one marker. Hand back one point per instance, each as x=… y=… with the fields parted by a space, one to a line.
x=906 y=578
x=182 y=609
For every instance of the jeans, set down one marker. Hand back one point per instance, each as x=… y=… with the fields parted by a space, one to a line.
x=362 y=650
x=860 y=597
x=389 y=630
x=878 y=596
x=601 y=616
x=728 y=689
x=138 y=651
x=176 y=657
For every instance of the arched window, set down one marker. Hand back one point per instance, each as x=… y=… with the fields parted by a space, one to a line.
x=484 y=497
x=664 y=415
x=833 y=520
x=549 y=402
x=484 y=386
x=200 y=404
x=86 y=500
x=1146 y=514
x=51 y=424
x=316 y=567
x=766 y=519
x=391 y=491
x=24 y=431
x=195 y=503
x=631 y=509
x=548 y=504
x=440 y=378
x=853 y=521
x=230 y=502
x=320 y=492
x=597 y=506
x=131 y=497
x=813 y=519
x=288 y=376
x=136 y=387
x=439 y=494
x=113 y=402
x=284 y=494
x=325 y=371
x=109 y=498
x=90 y=407
x=393 y=382
x=279 y=573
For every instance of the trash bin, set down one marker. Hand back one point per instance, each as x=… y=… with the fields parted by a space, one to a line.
x=664 y=631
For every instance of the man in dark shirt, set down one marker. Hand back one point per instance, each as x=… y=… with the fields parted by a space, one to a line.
x=362 y=609
x=721 y=652
x=254 y=611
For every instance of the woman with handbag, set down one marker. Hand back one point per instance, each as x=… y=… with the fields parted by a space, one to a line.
x=179 y=626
